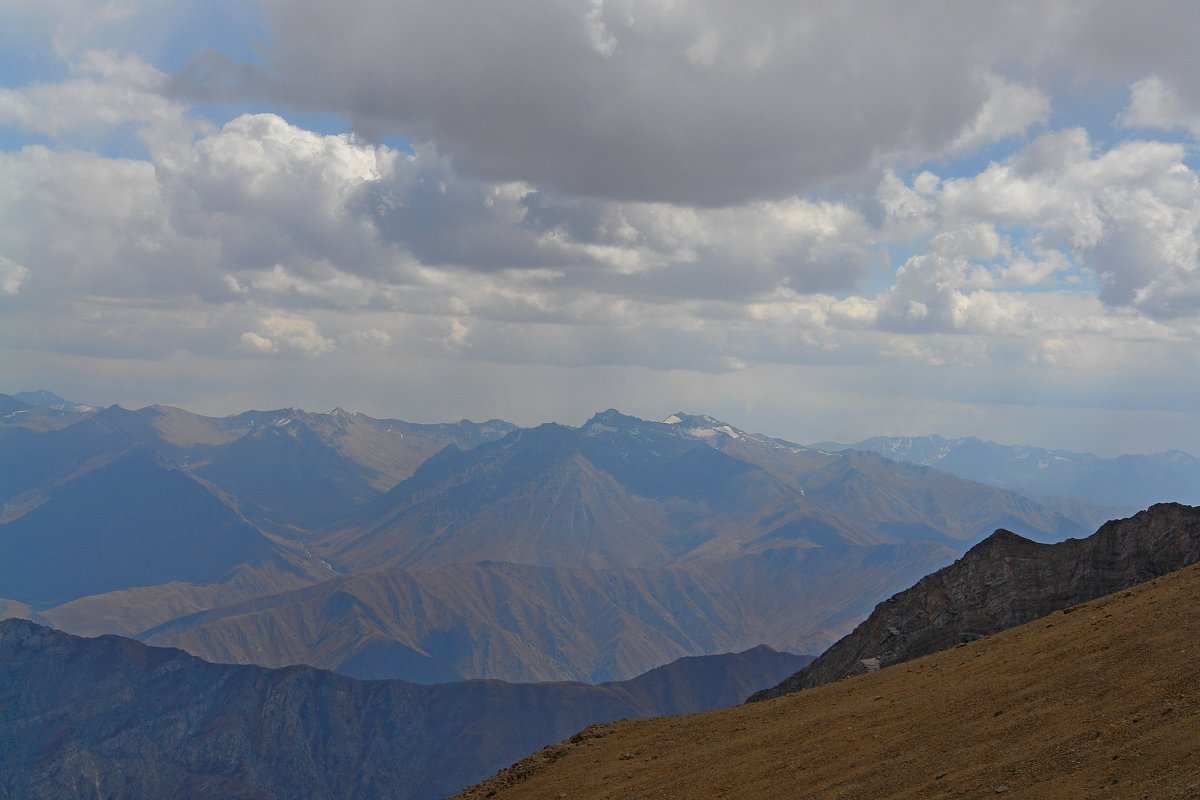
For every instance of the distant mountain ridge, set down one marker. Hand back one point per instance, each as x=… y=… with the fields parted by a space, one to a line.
x=113 y=718
x=1005 y=581
x=194 y=510
x=710 y=533
x=620 y=491
x=1135 y=481
x=678 y=538
x=38 y=411
x=285 y=470
x=523 y=622
x=41 y=397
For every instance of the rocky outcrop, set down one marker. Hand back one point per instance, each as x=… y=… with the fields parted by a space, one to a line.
x=1004 y=581
x=110 y=717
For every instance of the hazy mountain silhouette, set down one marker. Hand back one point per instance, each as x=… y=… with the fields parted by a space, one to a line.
x=681 y=538
x=131 y=522
x=704 y=538
x=1135 y=481
x=619 y=491
x=114 y=718
x=523 y=622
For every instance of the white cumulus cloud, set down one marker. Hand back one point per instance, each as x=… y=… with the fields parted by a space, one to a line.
x=287 y=332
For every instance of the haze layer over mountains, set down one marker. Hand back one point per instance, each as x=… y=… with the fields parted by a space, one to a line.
x=112 y=716
x=437 y=554
x=383 y=548
x=1132 y=480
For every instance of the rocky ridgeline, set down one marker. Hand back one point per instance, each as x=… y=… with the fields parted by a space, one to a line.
x=1004 y=581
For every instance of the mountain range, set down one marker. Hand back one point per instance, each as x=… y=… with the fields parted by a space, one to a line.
x=110 y=717
x=1130 y=481
x=381 y=548
x=293 y=546
x=608 y=549
x=286 y=471
x=117 y=520
x=1099 y=697
x=620 y=491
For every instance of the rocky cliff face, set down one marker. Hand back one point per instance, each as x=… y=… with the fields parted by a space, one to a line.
x=110 y=717
x=1004 y=581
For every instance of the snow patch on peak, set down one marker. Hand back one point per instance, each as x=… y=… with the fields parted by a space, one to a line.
x=702 y=426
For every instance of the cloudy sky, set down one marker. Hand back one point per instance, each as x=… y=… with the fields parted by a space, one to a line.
x=816 y=220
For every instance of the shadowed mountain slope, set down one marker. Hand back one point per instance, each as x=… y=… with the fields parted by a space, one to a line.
x=700 y=683
x=132 y=522
x=1003 y=581
x=283 y=475
x=110 y=717
x=1101 y=702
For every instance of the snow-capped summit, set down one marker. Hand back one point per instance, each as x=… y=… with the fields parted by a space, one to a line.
x=702 y=426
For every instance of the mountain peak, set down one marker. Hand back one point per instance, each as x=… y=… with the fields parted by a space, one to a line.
x=610 y=420
x=1002 y=540
x=702 y=426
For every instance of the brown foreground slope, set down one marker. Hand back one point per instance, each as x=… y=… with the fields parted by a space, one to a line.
x=1005 y=581
x=1099 y=700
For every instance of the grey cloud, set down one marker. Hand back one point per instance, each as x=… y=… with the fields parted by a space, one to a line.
x=735 y=254
x=443 y=219
x=701 y=102
x=1130 y=41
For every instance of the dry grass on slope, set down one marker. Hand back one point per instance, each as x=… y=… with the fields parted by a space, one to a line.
x=1102 y=700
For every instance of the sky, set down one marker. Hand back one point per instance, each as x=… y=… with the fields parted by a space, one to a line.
x=821 y=221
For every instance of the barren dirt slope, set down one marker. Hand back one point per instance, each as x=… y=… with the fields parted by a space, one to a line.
x=1102 y=700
